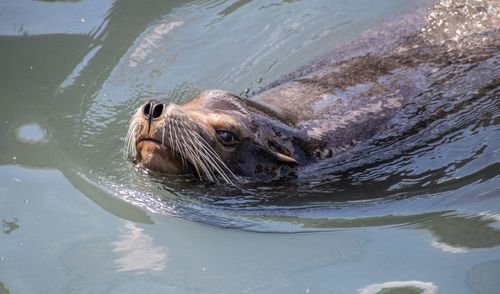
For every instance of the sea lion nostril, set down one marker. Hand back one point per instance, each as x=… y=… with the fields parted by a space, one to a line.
x=146 y=109
x=152 y=109
x=157 y=110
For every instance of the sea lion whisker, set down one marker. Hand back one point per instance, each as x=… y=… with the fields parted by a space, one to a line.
x=184 y=144
x=130 y=148
x=130 y=130
x=177 y=147
x=182 y=151
x=204 y=163
x=173 y=140
x=163 y=133
x=185 y=150
x=196 y=152
x=206 y=160
x=195 y=162
x=214 y=154
x=216 y=161
x=128 y=140
x=170 y=137
x=215 y=165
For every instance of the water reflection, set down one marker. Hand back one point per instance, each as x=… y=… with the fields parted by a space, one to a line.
x=9 y=226
x=3 y=289
x=27 y=17
x=453 y=232
x=233 y=7
x=151 y=42
x=137 y=252
x=462 y=231
x=407 y=287
x=31 y=133
x=447 y=248
x=73 y=76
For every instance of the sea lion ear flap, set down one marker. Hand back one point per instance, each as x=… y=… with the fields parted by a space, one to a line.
x=284 y=158
x=281 y=153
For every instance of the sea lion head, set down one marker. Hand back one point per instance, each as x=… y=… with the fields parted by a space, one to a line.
x=216 y=136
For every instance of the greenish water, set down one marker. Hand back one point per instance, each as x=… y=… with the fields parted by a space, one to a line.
x=75 y=216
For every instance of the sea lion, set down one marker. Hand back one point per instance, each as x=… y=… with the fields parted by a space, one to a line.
x=348 y=103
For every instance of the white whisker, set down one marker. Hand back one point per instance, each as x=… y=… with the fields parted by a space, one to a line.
x=201 y=157
x=202 y=151
x=214 y=154
x=213 y=158
x=170 y=139
x=182 y=151
x=163 y=132
x=130 y=149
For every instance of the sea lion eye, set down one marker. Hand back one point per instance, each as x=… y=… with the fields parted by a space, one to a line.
x=227 y=138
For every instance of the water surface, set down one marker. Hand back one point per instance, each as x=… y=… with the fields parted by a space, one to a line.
x=76 y=217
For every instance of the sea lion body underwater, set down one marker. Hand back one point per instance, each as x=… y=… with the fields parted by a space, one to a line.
x=362 y=95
